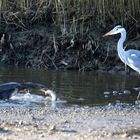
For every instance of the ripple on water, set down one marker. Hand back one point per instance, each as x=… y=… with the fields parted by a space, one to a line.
x=86 y=88
x=22 y=100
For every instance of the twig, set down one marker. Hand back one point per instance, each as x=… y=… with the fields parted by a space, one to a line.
x=52 y=61
x=37 y=10
x=54 y=44
x=106 y=55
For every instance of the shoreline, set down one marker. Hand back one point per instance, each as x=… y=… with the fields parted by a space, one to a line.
x=37 y=49
x=70 y=122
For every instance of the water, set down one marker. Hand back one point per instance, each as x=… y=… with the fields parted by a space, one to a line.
x=84 y=88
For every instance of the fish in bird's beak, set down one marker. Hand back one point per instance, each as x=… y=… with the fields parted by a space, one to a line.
x=107 y=34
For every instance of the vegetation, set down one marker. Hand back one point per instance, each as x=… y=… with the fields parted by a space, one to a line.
x=56 y=26
x=69 y=13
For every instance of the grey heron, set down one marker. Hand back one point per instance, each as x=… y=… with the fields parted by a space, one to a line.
x=130 y=57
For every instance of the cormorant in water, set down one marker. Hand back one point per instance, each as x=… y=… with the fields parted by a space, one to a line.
x=7 y=89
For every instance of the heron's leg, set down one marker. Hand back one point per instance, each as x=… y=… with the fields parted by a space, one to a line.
x=125 y=68
x=139 y=75
x=138 y=96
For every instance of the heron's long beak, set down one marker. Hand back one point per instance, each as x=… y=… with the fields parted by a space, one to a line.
x=107 y=34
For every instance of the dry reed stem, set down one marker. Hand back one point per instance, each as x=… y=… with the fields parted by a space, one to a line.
x=72 y=16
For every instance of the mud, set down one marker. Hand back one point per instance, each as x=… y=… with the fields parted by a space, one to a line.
x=120 y=121
x=39 y=47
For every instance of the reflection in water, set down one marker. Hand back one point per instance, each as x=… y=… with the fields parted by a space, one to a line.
x=78 y=87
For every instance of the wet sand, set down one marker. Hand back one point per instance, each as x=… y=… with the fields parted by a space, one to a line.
x=69 y=122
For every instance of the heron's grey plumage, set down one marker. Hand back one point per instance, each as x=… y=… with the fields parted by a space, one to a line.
x=129 y=57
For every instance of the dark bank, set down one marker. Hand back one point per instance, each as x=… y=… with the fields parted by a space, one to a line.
x=66 y=34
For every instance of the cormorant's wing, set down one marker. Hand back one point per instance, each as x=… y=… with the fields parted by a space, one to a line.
x=31 y=85
x=6 y=89
x=6 y=94
x=9 y=86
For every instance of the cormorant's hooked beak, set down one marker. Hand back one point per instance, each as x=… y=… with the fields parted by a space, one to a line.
x=107 y=34
x=43 y=90
x=50 y=93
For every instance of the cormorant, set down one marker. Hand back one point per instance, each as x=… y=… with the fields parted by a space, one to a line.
x=7 y=89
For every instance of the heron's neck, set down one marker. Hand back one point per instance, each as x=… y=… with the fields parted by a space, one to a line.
x=120 y=48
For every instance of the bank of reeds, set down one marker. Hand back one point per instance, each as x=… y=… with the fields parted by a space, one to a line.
x=67 y=24
x=70 y=15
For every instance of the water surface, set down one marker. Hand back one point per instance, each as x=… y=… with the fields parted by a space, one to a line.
x=85 y=88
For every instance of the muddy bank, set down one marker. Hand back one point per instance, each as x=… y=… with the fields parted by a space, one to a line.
x=41 y=48
x=65 y=34
x=70 y=122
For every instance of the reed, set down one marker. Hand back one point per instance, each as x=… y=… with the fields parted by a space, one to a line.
x=71 y=16
x=54 y=26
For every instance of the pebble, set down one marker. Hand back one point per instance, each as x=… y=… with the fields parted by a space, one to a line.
x=66 y=121
x=120 y=93
x=42 y=135
x=52 y=128
x=127 y=92
x=115 y=92
x=137 y=88
x=20 y=122
x=106 y=93
x=81 y=99
x=106 y=96
x=123 y=135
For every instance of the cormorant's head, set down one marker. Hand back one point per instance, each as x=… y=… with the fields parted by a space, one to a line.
x=50 y=93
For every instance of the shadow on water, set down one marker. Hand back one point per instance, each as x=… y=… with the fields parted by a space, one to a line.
x=84 y=88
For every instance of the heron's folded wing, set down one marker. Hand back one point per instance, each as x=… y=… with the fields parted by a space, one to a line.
x=134 y=58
